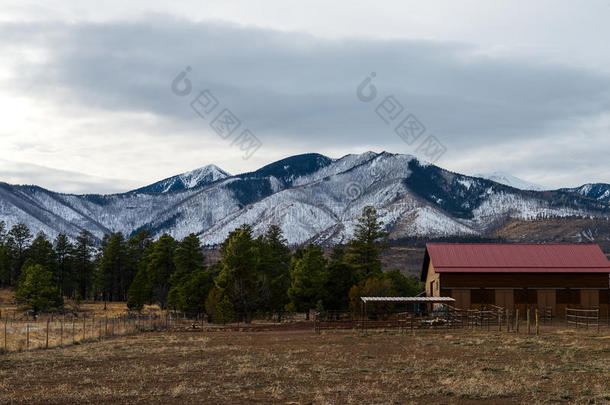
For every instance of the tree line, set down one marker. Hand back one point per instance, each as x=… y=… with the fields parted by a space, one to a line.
x=254 y=274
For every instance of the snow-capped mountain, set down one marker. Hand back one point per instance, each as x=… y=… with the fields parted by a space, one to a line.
x=313 y=198
x=598 y=191
x=198 y=177
x=510 y=180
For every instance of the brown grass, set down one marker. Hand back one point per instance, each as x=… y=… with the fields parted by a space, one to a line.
x=302 y=367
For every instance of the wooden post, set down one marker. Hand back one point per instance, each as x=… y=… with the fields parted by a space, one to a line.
x=528 y=321
x=84 y=327
x=61 y=331
x=536 y=321
x=46 y=346
x=499 y=321
x=5 y=335
x=73 y=329
x=517 y=321
x=27 y=337
x=106 y=327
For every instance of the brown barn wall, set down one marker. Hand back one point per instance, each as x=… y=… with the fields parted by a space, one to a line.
x=521 y=280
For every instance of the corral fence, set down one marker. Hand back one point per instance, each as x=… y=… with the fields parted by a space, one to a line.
x=583 y=317
x=63 y=330
x=440 y=316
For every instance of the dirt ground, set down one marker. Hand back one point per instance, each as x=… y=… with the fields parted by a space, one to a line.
x=330 y=368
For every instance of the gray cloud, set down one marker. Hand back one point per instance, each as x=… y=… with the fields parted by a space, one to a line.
x=287 y=86
x=60 y=180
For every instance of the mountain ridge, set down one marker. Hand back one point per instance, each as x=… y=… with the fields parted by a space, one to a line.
x=312 y=197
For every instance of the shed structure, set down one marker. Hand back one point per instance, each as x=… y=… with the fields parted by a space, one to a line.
x=518 y=275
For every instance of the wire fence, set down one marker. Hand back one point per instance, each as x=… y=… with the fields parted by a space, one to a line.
x=59 y=331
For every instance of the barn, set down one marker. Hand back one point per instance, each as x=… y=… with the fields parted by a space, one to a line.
x=518 y=275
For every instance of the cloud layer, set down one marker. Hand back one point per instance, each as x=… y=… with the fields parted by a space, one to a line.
x=95 y=98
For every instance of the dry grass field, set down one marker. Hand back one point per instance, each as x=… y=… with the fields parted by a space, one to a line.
x=301 y=367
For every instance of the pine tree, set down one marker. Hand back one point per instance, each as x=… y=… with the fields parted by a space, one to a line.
x=41 y=252
x=190 y=283
x=83 y=265
x=138 y=249
x=5 y=258
x=274 y=271
x=364 y=250
x=238 y=278
x=113 y=263
x=189 y=256
x=339 y=279
x=65 y=272
x=308 y=276
x=18 y=241
x=139 y=291
x=161 y=267
x=37 y=289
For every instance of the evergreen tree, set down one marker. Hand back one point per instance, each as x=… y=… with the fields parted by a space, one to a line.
x=238 y=278
x=189 y=256
x=161 y=267
x=41 y=252
x=190 y=283
x=83 y=265
x=65 y=272
x=274 y=267
x=5 y=257
x=138 y=248
x=37 y=289
x=339 y=279
x=191 y=293
x=308 y=276
x=140 y=291
x=112 y=267
x=364 y=250
x=18 y=241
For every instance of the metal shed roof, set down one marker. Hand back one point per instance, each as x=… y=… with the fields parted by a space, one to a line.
x=408 y=299
x=518 y=258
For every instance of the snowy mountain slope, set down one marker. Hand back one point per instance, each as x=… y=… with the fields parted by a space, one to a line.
x=598 y=191
x=311 y=197
x=510 y=180
x=195 y=178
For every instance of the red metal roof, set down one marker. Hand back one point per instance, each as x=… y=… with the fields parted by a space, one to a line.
x=517 y=258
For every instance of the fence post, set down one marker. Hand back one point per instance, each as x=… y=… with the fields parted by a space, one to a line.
x=61 y=331
x=27 y=338
x=528 y=321
x=517 y=321
x=84 y=327
x=46 y=346
x=106 y=327
x=499 y=321
x=597 y=313
x=73 y=328
x=537 y=330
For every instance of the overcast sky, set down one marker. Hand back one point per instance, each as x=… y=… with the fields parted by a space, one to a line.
x=87 y=105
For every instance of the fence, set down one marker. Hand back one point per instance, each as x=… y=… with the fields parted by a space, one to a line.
x=442 y=316
x=26 y=334
x=583 y=317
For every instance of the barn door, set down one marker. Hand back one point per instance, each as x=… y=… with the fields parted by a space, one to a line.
x=505 y=299
x=462 y=298
x=547 y=298
x=589 y=298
